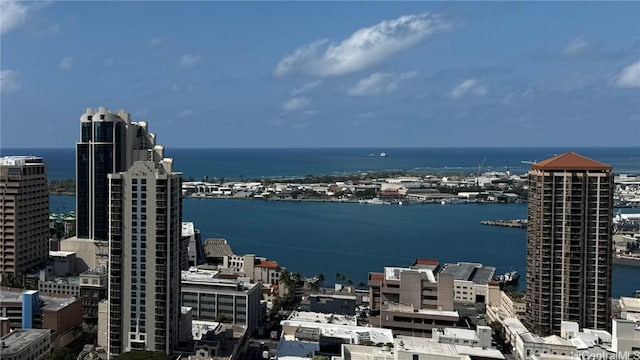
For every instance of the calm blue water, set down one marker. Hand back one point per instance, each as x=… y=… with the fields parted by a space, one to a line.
x=355 y=239
x=258 y=163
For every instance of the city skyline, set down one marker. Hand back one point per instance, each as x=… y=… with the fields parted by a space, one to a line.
x=326 y=75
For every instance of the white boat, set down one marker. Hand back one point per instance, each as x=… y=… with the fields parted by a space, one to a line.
x=376 y=201
x=383 y=154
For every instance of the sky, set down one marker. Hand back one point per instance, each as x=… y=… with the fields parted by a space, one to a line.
x=325 y=74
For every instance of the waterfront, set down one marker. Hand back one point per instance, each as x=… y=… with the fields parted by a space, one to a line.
x=354 y=239
x=273 y=163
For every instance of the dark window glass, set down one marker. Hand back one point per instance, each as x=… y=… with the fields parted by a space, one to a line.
x=103 y=131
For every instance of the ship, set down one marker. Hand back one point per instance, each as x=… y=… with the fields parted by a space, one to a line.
x=510 y=278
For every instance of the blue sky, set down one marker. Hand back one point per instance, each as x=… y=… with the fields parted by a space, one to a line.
x=325 y=74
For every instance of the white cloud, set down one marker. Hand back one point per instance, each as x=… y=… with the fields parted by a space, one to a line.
x=630 y=76
x=296 y=104
x=306 y=87
x=378 y=83
x=187 y=113
x=190 y=60
x=364 y=48
x=155 y=42
x=12 y=15
x=16 y=14
x=473 y=87
x=66 y=63
x=576 y=46
x=9 y=81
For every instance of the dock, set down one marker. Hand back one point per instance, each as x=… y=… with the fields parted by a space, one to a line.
x=514 y=223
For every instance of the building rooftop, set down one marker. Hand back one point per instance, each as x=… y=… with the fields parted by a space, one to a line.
x=426 y=262
x=464 y=334
x=393 y=273
x=410 y=309
x=337 y=327
x=211 y=277
x=290 y=350
x=630 y=304
x=570 y=161
x=20 y=160
x=19 y=339
x=61 y=253
x=267 y=264
x=477 y=273
x=321 y=318
x=427 y=346
x=217 y=248
x=187 y=229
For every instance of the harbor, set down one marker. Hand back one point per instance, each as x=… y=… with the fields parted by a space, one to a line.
x=514 y=223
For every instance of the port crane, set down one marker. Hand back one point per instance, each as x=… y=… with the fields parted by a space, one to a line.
x=480 y=169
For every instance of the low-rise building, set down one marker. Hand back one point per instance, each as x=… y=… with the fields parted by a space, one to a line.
x=470 y=280
x=305 y=334
x=415 y=348
x=255 y=268
x=65 y=286
x=213 y=298
x=412 y=301
x=212 y=340
x=481 y=337
x=526 y=344
x=29 y=310
x=513 y=306
x=333 y=304
x=26 y=344
x=625 y=339
x=93 y=289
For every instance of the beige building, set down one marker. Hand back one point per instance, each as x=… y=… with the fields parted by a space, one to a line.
x=569 y=247
x=412 y=301
x=145 y=225
x=24 y=213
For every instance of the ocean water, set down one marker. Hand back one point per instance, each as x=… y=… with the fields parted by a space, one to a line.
x=354 y=239
x=261 y=163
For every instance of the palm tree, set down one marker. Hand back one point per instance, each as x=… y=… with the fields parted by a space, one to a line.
x=320 y=279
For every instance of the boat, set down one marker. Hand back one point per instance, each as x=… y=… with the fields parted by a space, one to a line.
x=374 y=201
x=510 y=278
x=638 y=293
x=383 y=154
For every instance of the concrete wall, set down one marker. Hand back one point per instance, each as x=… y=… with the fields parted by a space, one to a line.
x=411 y=289
x=445 y=292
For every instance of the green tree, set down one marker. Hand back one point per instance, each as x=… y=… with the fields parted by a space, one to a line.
x=224 y=318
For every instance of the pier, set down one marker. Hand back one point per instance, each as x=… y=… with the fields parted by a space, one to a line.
x=514 y=223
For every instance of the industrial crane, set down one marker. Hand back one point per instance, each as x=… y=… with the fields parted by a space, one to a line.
x=479 y=169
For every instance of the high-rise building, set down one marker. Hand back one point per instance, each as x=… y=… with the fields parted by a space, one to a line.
x=569 y=236
x=108 y=143
x=145 y=225
x=24 y=213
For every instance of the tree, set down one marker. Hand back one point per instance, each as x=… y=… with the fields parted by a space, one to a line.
x=224 y=318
